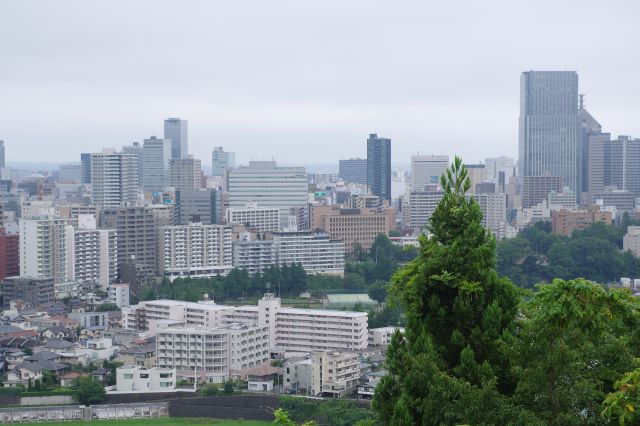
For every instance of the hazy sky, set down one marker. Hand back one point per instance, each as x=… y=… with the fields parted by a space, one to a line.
x=302 y=81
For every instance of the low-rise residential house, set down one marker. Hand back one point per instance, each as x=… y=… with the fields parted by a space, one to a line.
x=70 y=378
x=260 y=378
x=91 y=320
x=23 y=373
x=131 y=378
x=97 y=350
x=14 y=357
x=101 y=374
x=44 y=356
x=59 y=332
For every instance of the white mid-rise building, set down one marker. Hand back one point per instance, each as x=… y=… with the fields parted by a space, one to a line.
x=253 y=255
x=195 y=250
x=264 y=219
x=289 y=329
x=211 y=354
x=315 y=251
x=494 y=211
x=421 y=206
x=134 y=378
x=382 y=336
x=43 y=248
x=323 y=373
x=631 y=240
x=118 y=294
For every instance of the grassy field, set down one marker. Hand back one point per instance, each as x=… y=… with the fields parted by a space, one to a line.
x=162 y=421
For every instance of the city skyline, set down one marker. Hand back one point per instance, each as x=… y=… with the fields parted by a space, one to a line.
x=262 y=97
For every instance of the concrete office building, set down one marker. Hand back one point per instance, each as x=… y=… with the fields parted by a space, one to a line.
x=535 y=189
x=2 y=159
x=253 y=255
x=136 y=235
x=212 y=355
x=379 y=166
x=156 y=154
x=263 y=219
x=185 y=173
x=421 y=206
x=353 y=170
x=136 y=149
x=550 y=126
x=315 y=251
x=619 y=200
x=222 y=161
x=203 y=205
x=195 y=250
x=114 y=180
x=427 y=169
x=43 y=248
x=176 y=130
x=562 y=200
x=356 y=227
x=270 y=186
x=34 y=291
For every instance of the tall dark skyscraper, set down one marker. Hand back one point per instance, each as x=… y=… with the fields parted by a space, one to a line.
x=379 y=166
x=85 y=166
x=550 y=126
x=176 y=130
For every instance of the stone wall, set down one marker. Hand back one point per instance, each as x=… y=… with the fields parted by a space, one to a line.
x=225 y=407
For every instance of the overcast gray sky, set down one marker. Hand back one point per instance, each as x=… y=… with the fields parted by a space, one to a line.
x=303 y=81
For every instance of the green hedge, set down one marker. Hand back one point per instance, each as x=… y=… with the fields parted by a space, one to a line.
x=53 y=392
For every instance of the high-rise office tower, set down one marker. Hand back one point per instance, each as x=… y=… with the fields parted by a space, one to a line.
x=2 y=164
x=43 y=248
x=156 y=154
x=268 y=185
x=185 y=173
x=493 y=167
x=136 y=149
x=535 y=189
x=550 y=127
x=221 y=161
x=427 y=169
x=353 y=170
x=85 y=164
x=177 y=131
x=114 y=179
x=379 y=166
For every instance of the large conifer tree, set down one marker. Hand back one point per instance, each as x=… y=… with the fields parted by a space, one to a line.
x=447 y=367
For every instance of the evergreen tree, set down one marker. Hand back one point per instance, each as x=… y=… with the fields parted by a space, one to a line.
x=448 y=367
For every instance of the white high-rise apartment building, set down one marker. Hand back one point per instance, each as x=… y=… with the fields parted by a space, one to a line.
x=264 y=219
x=114 y=179
x=185 y=173
x=149 y=315
x=253 y=255
x=270 y=186
x=135 y=149
x=43 y=248
x=118 y=294
x=315 y=251
x=212 y=354
x=156 y=154
x=195 y=250
x=427 y=169
x=176 y=130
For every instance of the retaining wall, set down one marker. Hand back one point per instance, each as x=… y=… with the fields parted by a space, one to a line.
x=225 y=407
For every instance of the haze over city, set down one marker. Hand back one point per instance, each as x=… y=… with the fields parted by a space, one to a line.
x=265 y=79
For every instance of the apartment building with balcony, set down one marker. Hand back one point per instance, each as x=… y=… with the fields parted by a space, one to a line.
x=211 y=354
x=323 y=373
x=263 y=219
x=195 y=250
